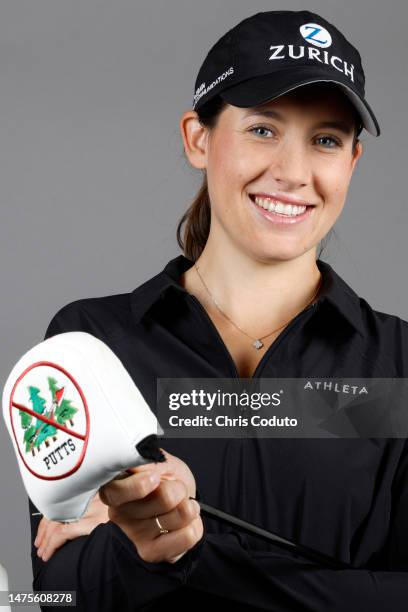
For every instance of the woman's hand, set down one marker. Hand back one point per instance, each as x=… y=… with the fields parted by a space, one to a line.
x=133 y=503
x=53 y=534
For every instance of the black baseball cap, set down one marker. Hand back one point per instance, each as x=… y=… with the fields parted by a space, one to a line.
x=273 y=52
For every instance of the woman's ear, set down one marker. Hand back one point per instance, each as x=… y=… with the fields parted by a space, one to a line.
x=357 y=153
x=194 y=136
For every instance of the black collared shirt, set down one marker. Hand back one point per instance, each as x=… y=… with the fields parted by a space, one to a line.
x=346 y=497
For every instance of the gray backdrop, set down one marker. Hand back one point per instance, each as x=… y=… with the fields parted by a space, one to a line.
x=93 y=180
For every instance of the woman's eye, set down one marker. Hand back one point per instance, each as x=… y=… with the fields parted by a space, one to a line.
x=264 y=129
x=335 y=140
x=260 y=127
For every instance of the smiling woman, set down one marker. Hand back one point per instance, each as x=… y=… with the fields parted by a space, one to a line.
x=274 y=129
x=276 y=177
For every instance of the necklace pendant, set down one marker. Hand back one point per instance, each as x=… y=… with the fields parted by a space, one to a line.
x=257 y=344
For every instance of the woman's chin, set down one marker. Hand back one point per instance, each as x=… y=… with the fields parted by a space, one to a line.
x=284 y=252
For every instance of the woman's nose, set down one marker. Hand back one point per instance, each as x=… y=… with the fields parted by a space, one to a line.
x=291 y=165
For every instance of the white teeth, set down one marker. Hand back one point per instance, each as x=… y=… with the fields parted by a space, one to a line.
x=285 y=209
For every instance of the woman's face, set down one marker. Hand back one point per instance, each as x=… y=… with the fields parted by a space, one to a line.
x=287 y=153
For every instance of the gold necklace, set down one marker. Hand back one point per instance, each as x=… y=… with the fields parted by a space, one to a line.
x=256 y=342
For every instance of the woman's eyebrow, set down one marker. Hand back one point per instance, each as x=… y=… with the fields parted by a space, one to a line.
x=342 y=126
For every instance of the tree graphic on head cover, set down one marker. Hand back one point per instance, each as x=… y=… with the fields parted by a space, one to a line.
x=64 y=411
x=36 y=433
x=60 y=411
x=25 y=419
x=26 y=424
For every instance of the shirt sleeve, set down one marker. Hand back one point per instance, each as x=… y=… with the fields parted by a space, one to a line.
x=106 y=571
x=104 y=567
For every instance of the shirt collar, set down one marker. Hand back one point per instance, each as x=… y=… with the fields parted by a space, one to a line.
x=334 y=290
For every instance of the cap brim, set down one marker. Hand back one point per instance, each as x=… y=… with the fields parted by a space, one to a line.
x=263 y=88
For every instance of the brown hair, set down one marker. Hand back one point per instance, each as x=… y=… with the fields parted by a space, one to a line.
x=198 y=216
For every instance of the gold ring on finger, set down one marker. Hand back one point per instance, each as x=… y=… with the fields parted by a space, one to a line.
x=161 y=529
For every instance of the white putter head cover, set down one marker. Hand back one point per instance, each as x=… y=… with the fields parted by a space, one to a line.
x=77 y=420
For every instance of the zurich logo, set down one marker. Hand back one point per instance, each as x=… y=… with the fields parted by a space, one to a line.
x=316 y=35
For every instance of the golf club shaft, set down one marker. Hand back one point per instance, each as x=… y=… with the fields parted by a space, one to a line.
x=269 y=536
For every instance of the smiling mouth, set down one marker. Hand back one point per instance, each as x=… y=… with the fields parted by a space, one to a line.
x=278 y=207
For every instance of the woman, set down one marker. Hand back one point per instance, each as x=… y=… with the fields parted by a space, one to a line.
x=278 y=108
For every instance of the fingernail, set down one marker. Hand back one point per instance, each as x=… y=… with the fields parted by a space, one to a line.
x=154 y=478
x=196 y=506
x=39 y=551
x=35 y=542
